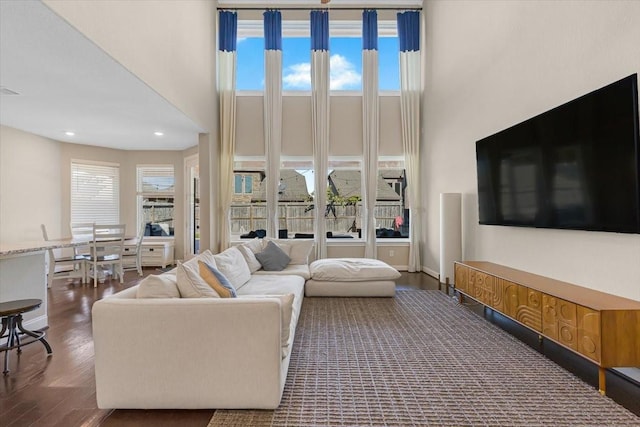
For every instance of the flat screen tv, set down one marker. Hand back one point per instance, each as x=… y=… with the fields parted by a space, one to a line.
x=573 y=167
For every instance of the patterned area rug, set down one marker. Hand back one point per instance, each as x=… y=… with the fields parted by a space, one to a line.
x=421 y=359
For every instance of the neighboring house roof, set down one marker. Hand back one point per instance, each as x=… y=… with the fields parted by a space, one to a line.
x=391 y=173
x=295 y=188
x=348 y=183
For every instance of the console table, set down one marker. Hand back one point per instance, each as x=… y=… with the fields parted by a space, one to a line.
x=601 y=327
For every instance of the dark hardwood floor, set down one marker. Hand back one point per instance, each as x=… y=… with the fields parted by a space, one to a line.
x=60 y=390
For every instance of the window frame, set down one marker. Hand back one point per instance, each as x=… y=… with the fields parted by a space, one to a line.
x=142 y=194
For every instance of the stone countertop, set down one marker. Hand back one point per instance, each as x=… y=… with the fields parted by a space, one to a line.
x=37 y=246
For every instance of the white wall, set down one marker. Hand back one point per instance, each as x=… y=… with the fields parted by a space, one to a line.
x=29 y=186
x=492 y=64
x=345 y=131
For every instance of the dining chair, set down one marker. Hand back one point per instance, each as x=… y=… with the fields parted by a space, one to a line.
x=107 y=247
x=132 y=260
x=82 y=231
x=59 y=266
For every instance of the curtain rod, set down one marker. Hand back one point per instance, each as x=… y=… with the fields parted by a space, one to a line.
x=321 y=8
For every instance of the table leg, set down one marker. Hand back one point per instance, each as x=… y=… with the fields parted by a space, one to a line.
x=8 y=323
x=39 y=336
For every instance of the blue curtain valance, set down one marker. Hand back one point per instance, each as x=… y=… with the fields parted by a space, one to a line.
x=228 y=31
x=409 y=31
x=319 y=30
x=272 y=30
x=369 y=30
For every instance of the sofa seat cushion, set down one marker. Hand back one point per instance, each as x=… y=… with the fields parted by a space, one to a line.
x=273 y=284
x=301 y=270
x=351 y=270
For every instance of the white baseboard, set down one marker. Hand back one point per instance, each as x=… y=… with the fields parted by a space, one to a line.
x=401 y=267
x=431 y=272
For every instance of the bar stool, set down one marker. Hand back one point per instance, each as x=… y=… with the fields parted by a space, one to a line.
x=11 y=313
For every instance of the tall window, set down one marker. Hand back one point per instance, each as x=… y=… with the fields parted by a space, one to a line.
x=345 y=61
x=95 y=192
x=392 y=210
x=155 y=191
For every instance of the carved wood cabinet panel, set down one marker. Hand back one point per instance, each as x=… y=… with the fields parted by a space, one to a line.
x=589 y=333
x=601 y=327
x=559 y=321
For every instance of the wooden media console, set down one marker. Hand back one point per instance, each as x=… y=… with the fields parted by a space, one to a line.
x=601 y=327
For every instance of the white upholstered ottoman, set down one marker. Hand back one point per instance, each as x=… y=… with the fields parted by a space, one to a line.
x=351 y=277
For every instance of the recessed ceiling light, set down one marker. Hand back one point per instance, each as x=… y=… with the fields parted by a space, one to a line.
x=158 y=133
x=69 y=133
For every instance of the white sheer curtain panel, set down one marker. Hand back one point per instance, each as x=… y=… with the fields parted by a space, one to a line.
x=370 y=130
x=273 y=114
x=410 y=95
x=228 y=28
x=320 y=122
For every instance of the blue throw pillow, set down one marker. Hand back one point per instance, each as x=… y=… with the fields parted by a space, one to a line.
x=273 y=258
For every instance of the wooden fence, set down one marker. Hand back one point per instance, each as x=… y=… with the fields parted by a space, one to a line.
x=298 y=217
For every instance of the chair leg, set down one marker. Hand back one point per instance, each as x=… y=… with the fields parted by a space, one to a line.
x=95 y=275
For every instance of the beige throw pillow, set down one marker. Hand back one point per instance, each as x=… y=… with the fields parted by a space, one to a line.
x=191 y=285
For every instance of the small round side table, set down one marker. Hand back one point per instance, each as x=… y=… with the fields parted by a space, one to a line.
x=11 y=313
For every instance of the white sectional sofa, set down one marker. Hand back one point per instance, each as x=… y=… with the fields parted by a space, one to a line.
x=156 y=349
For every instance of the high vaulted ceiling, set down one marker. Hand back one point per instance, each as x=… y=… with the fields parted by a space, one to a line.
x=64 y=82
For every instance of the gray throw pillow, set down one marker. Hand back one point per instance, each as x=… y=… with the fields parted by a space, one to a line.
x=273 y=258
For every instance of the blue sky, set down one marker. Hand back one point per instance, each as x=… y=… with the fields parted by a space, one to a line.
x=346 y=63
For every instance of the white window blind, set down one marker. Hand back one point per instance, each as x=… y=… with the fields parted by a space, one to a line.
x=95 y=193
x=156 y=180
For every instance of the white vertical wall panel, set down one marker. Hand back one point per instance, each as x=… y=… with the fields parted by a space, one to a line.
x=450 y=234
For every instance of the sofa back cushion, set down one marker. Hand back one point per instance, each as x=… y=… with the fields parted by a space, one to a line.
x=298 y=250
x=250 y=257
x=233 y=266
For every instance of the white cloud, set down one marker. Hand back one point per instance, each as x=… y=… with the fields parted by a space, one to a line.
x=343 y=75
x=297 y=76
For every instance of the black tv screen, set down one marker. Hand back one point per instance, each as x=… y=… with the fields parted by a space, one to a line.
x=573 y=167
